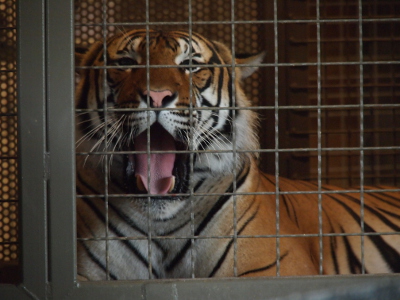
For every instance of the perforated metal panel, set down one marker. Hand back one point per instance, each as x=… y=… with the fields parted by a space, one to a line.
x=8 y=129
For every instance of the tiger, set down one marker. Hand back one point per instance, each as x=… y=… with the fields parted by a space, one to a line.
x=168 y=180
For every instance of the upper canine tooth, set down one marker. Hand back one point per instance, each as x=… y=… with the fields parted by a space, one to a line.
x=171 y=187
x=139 y=184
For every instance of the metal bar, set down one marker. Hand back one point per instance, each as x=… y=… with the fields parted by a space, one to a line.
x=191 y=146
x=312 y=21
x=275 y=64
x=327 y=149
x=276 y=148
x=319 y=138
x=234 y=148
x=362 y=182
x=255 y=193
x=242 y=288
x=282 y=107
x=148 y=87
x=61 y=145
x=106 y=138
x=8 y=291
x=203 y=237
x=32 y=147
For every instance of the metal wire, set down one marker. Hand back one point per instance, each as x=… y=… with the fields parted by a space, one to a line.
x=149 y=221
x=276 y=115
x=360 y=46
x=106 y=158
x=252 y=193
x=206 y=237
x=234 y=150
x=278 y=21
x=191 y=144
x=320 y=150
x=319 y=138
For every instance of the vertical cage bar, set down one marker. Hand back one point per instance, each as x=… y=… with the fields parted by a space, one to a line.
x=61 y=145
x=148 y=149
x=234 y=130
x=276 y=115
x=106 y=137
x=319 y=137
x=191 y=146
x=32 y=145
x=362 y=182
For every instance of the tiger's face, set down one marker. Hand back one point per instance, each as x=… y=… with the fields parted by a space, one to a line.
x=167 y=99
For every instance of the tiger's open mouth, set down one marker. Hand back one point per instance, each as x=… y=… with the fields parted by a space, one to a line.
x=159 y=169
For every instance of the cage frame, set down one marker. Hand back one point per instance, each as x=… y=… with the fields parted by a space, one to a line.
x=47 y=188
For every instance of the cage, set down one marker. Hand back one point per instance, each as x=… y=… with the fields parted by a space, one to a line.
x=327 y=93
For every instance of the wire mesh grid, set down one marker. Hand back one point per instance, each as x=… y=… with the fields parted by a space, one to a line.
x=8 y=138
x=327 y=93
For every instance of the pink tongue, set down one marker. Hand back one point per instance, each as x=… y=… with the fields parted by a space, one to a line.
x=161 y=164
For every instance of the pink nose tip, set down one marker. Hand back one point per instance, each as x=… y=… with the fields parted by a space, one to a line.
x=157 y=97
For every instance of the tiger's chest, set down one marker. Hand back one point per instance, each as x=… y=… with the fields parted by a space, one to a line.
x=117 y=235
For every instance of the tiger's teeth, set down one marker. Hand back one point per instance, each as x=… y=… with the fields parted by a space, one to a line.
x=171 y=187
x=139 y=184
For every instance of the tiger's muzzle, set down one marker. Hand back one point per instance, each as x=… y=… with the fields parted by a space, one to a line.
x=156 y=168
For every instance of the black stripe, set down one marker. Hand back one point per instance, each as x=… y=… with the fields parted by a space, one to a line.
x=352 y=259
x=392 y=214
x=390 y=255
x=230 y=92
x=206 y=103
x=99 y=102
x=264 y=268
x=134 y=225
x=129 y=221
x=377 y=196
x=373 y=211
x=333 y=246
x=201 y=181
x=228 y=247
x=127 y=243
x=221 y=201
x=228 y=124
x=214 y=59
x=286 y=202
x=83 y=92
x=97 y=261
x=208 y=83
x=118 y=184
x=175 y=229
x=220 y=86
x=214 y=210
x=91 y=255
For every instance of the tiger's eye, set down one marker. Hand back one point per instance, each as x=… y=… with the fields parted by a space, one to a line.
x=126 y=61
x=195 y=65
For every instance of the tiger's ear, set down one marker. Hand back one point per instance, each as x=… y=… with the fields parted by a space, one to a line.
x=252 y=60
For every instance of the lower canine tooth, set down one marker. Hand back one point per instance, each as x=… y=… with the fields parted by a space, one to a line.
x=139 y=184
x=172 y=184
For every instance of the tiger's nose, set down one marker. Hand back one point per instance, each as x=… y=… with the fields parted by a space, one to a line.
x=159 y=98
